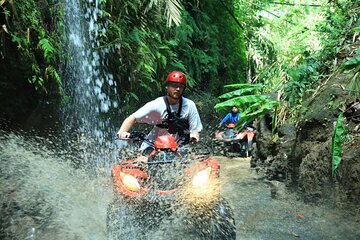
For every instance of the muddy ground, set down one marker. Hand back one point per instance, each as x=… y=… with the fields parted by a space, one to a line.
x=269 y=210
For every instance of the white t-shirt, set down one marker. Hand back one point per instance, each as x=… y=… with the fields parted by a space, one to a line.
x=154 y=113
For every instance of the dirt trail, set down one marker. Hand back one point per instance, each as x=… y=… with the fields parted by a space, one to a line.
x=266 y=210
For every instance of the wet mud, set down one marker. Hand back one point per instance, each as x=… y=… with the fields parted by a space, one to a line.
x=268 y=210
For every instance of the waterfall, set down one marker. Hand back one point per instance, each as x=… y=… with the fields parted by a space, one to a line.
x=90 y=89
x=88 y=84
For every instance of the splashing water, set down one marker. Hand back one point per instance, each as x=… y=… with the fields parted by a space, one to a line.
x=44 y=197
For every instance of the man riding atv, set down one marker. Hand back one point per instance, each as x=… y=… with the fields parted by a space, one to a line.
x=232 y=117
x=233 y=142
x=166 y=188
x=170 y=114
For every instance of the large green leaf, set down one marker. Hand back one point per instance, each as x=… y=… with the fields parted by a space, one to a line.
x=257 y=110
x=352 y=63
x=245 y=86
x=238 y=92
x=336 y=148
x=241 y=101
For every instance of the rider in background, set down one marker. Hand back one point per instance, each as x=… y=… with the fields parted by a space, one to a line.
x=229 y=120
x=170 y=114
x=232 y=117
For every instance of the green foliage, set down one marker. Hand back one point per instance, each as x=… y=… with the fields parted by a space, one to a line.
x=35 y=39
x=248 y=99
x=206 y=46
x=36 y=79
x=353 y=67
x=48 y=49
x=353 y=62
x=337 y=141
x=292 y=46
x=281 y=42
x=301 y=79
x=201 y=59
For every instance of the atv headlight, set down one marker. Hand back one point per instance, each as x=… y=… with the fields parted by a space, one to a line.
x=130 y=182
x=201 y=178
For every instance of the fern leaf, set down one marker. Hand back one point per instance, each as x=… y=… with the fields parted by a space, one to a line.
x=172 y=11
x=47 y=48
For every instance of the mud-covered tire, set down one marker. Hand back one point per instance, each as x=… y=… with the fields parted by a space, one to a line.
x=121 y=222
x=244 y=149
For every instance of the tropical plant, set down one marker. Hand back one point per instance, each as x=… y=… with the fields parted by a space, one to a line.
x=249 y=99
x=172 y=10
x=146 y=48
x=292 y=46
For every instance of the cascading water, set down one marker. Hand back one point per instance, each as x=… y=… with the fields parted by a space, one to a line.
x=84 y=72
x=91 y=90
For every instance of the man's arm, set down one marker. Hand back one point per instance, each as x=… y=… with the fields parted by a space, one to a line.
x=195 y=123
x=225 y=119
x=123 y=132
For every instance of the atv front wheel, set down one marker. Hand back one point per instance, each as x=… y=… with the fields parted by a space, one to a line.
x=244 y=149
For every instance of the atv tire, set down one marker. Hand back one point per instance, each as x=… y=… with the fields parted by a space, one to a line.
x=245 y=149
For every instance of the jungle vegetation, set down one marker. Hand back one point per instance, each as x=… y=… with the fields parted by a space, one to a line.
x=254 y=48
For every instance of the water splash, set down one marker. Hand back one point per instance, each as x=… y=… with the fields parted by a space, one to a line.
x=45 y=197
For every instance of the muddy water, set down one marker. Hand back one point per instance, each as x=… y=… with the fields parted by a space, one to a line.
x=265 y=210
x=44 y=197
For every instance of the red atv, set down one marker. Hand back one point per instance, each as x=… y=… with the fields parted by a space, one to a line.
x=175 y=192
x=246 y=136
x=232 y=143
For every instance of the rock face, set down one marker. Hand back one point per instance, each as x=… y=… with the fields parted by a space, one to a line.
x=348 y=174
x=302 y=157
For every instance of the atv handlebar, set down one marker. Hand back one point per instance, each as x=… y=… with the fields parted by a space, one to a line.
x=140 y=136
x=137 y=136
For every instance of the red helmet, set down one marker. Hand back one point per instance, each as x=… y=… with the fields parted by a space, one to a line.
x=177 y=77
